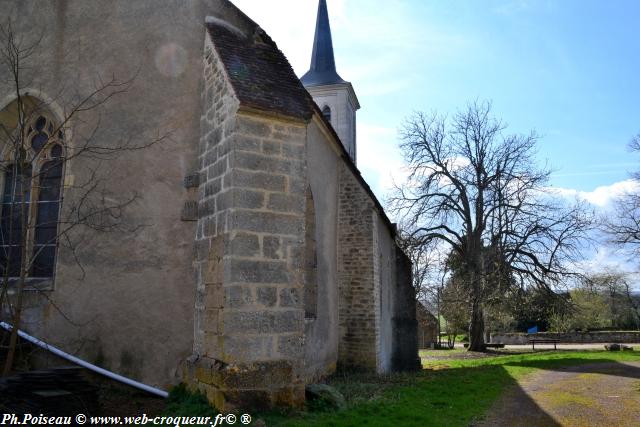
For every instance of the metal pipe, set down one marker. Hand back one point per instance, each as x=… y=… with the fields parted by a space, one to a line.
x=87 y=365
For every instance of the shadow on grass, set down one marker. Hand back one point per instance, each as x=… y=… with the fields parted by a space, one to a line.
x=449 y=396
x=513 y=408
x=455 y=397
x=517 y=408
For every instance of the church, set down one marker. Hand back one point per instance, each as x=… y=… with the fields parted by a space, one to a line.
x=253 y=258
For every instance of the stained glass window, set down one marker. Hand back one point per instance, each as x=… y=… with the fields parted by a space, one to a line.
x=31 y=199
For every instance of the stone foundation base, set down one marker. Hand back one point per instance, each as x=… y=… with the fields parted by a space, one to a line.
x=257 y=386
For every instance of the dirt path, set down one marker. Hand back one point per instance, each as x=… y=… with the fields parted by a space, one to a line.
x=602 y=394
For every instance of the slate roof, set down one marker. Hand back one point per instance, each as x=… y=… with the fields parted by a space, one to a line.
x=261 y=76
x=323 y=65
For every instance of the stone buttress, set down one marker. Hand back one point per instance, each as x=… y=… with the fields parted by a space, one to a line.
x=249 y=320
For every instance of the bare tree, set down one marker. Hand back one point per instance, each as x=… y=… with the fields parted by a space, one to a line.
x=34 y=155
x=624 y=227
x=478 y=191
x=424 y=262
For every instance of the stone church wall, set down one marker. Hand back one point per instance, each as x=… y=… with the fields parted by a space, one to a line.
x=130 y=308
x=376 y=302
x=211 y=287
x=358 y=292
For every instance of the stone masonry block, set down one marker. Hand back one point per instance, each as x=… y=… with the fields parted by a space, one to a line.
x=265 y=222
x=291 y=346
x=267 y=296
x=213 y=296
x=249 y=271
x=258 y=180
x=263 y=322
x=247 y=348
x=248 y=199
x=296 y=254
x=294 y=132
x=247 y=143
x=202 y=249
x=213 y=138
x=210 y=157
x=213 y=273
x=229 y=127
x=248 y=400
x=221 y=222
x=297 y=186
x=224 y=148
x=206 y=208
x=210 y=320
x=211 y=343
x=253 y=127
x=212 y=188
x=239 y=198
x=245 y=244
x=209 y=226
x=293 y=151
x=271 y=247
x=293 y=203
x=271 y=148
x=238 y=297
x=290 y=297
x=217 y=169
x=258 y=162
x=258 y=375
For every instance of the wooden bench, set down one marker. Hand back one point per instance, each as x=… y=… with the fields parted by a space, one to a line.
x=494 y=345
x=487 y=345
x=534 y=341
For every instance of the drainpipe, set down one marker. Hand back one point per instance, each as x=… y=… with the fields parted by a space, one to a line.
x=87 y=365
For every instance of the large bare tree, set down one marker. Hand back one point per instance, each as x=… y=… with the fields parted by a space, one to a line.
x=479 y=192
x=34 y=154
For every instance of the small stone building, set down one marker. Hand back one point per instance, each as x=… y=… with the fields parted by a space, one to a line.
x=427 y=326
x=257 y=259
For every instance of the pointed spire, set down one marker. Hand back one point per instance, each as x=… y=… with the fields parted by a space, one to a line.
x=323 y=65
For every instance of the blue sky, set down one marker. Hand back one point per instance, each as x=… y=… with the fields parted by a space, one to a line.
x=570 y=70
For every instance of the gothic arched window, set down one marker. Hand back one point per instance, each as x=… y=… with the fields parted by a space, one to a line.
x=326 y=113
x=31 y=195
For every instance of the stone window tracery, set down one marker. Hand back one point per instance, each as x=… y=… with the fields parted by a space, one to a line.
x=31 y=195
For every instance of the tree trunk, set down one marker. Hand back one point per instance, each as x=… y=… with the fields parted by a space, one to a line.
x=476 y=327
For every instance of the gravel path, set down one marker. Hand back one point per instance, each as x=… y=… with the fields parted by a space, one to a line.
x=601 y=394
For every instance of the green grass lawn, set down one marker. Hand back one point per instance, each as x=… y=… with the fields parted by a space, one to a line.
x=448 y=392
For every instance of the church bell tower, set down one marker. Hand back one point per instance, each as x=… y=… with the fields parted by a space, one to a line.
x=335 y=96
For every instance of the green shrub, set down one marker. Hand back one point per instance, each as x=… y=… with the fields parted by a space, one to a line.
x=182 y=402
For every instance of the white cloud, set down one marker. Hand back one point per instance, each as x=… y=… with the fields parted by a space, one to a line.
x=601 y=197
x=605 y=256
